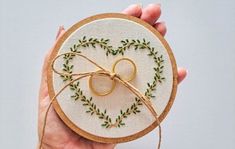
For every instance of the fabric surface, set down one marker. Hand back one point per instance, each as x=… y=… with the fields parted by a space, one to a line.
x=116 y=30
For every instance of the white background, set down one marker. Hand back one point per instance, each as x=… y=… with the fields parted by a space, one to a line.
x=200 y=32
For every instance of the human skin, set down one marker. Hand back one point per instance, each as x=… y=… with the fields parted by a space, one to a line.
x=57 y=135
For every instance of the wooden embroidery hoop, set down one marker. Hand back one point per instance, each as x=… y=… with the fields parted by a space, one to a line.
x=62 y=115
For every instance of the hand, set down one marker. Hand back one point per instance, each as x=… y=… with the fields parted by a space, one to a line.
x=57 y=134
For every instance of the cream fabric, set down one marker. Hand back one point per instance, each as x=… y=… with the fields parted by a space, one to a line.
x=116 y=30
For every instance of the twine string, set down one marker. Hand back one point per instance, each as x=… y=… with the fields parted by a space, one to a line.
x=102 y=71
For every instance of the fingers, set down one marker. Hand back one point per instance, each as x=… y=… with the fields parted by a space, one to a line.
x=151 y=13
x=133 y=10
x=161 y=28
x=60 y=32
x=43 y=87
x=182 y=72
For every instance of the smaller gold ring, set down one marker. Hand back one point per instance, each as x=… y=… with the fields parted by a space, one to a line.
x=132 y=76
x=100 y=93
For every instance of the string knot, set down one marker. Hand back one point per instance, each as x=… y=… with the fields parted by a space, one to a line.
x=112 y=75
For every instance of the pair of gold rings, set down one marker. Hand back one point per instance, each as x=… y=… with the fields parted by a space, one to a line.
x=114 y=70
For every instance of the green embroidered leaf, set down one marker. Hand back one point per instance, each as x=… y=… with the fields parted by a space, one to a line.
x=103 y=43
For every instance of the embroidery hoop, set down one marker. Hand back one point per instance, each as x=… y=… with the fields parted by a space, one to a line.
x=95 y=137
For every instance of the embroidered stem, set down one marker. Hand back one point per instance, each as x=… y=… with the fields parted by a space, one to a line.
x=103 y=43
x=115 y=77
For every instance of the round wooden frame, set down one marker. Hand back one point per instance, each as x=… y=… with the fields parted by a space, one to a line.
x=62 y=114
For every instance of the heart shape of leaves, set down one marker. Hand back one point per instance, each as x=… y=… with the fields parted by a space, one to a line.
x=92 y=109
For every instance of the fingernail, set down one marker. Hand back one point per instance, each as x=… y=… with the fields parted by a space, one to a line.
x=154 y=5
x=59 y=31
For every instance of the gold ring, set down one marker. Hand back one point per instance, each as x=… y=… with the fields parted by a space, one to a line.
x=100 y=93
x=132 y=76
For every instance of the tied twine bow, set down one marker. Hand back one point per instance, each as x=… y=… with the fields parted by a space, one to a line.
x=102 y=71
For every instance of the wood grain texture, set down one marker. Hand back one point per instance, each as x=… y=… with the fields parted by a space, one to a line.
x=66 y=119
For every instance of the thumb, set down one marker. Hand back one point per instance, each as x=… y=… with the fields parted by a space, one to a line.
x=43 y=92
